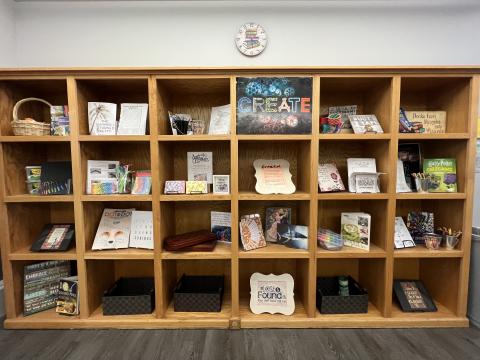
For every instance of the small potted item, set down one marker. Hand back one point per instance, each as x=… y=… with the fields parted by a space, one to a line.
x=450 y=237
x=432 y=241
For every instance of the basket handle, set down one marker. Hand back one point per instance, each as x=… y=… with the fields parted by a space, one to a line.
x=21 y=102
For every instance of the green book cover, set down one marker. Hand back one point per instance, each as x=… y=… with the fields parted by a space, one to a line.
x=443 y=174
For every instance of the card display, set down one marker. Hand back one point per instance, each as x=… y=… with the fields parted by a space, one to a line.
x=293 y=236
x=359 y=165
x=251 y=232
x=174 y=187
x=141 y=230
x=274 y=105
x=200 y=166
x=133 y=119
x=403 y=239
x=273 y=218
x=329 y=178
x=220 y=120
x=196 y=187
x=273 y=177
x=221 y=225
x=365 y=124
x=102 y=177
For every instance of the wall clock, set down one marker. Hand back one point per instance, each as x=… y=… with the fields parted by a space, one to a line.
x=251 y=39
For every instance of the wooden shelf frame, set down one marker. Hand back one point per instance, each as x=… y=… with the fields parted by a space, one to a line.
x=179 y=89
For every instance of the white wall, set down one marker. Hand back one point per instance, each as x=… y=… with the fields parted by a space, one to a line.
x=199 y=33
x=7 y=34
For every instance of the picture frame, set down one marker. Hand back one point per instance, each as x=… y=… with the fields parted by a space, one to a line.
x=413 y=296
x=221 y=184
x=272 y=294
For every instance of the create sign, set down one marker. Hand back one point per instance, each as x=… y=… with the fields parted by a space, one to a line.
x=274 y=105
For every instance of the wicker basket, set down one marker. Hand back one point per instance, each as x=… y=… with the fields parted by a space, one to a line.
x=30 y=126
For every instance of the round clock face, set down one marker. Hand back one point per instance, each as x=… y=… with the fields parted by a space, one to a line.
x=251 y=39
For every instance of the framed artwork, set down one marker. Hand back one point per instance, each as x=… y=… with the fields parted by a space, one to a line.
x=413 y=296
x=273 y=177
x=221 y=184
x=272 y=294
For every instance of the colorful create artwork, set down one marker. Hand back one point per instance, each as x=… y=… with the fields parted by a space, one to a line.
x=274 y=105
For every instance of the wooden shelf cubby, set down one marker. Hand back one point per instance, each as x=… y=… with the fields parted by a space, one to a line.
x=379 y=91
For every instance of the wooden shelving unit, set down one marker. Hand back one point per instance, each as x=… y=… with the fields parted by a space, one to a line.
x=376 y=90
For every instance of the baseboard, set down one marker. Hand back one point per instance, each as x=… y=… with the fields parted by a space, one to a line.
x=2 y=300
x=474 y=323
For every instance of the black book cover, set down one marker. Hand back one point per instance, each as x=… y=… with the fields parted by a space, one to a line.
x=56 y=178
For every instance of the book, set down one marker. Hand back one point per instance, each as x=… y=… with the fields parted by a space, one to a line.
x=442 y=174
x=102 y=118
x=55 y=237
x=200 y=166
x=362 y=124
x=141 y=230
x=251 y=232
x=56 y=178
x=359 y=165
x=411 y=156
x=420 y=223
x=59 y=120
x=220 y=120
x=41 y=283
x=404 y=126
x=402 y=239
x=113 y=232
x=133 y=119
x=293 y=236
x=344 y=111
x=355 y=229
x=428 y=122
x=329 y=178
x=273 y=218
x=142 y=185
x=274 y=105
x=221 y=225
x=68 y=298
x=102 y=177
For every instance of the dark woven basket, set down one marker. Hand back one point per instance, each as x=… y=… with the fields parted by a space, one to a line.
x=198 y=293
x=329 y=302
x=129 y=296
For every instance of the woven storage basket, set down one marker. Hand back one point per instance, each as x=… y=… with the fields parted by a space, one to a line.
x=29 y=127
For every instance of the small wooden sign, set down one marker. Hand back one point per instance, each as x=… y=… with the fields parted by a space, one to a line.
x=273 y=177
x=272 y=294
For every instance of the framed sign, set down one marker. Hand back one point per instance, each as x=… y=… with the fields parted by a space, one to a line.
x=273 y=177
x=221 y=184
x=413 y=296
x=272 y=294
x=274 y=105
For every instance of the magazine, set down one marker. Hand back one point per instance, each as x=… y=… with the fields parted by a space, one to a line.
x=133 y=119
x=141 y=230
x=220 y=120
x=200 y=166
x=402 y=239
x=102 y=177
x=442 y=174
x=329 y=178
x=68 y=299
x=356 y=229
